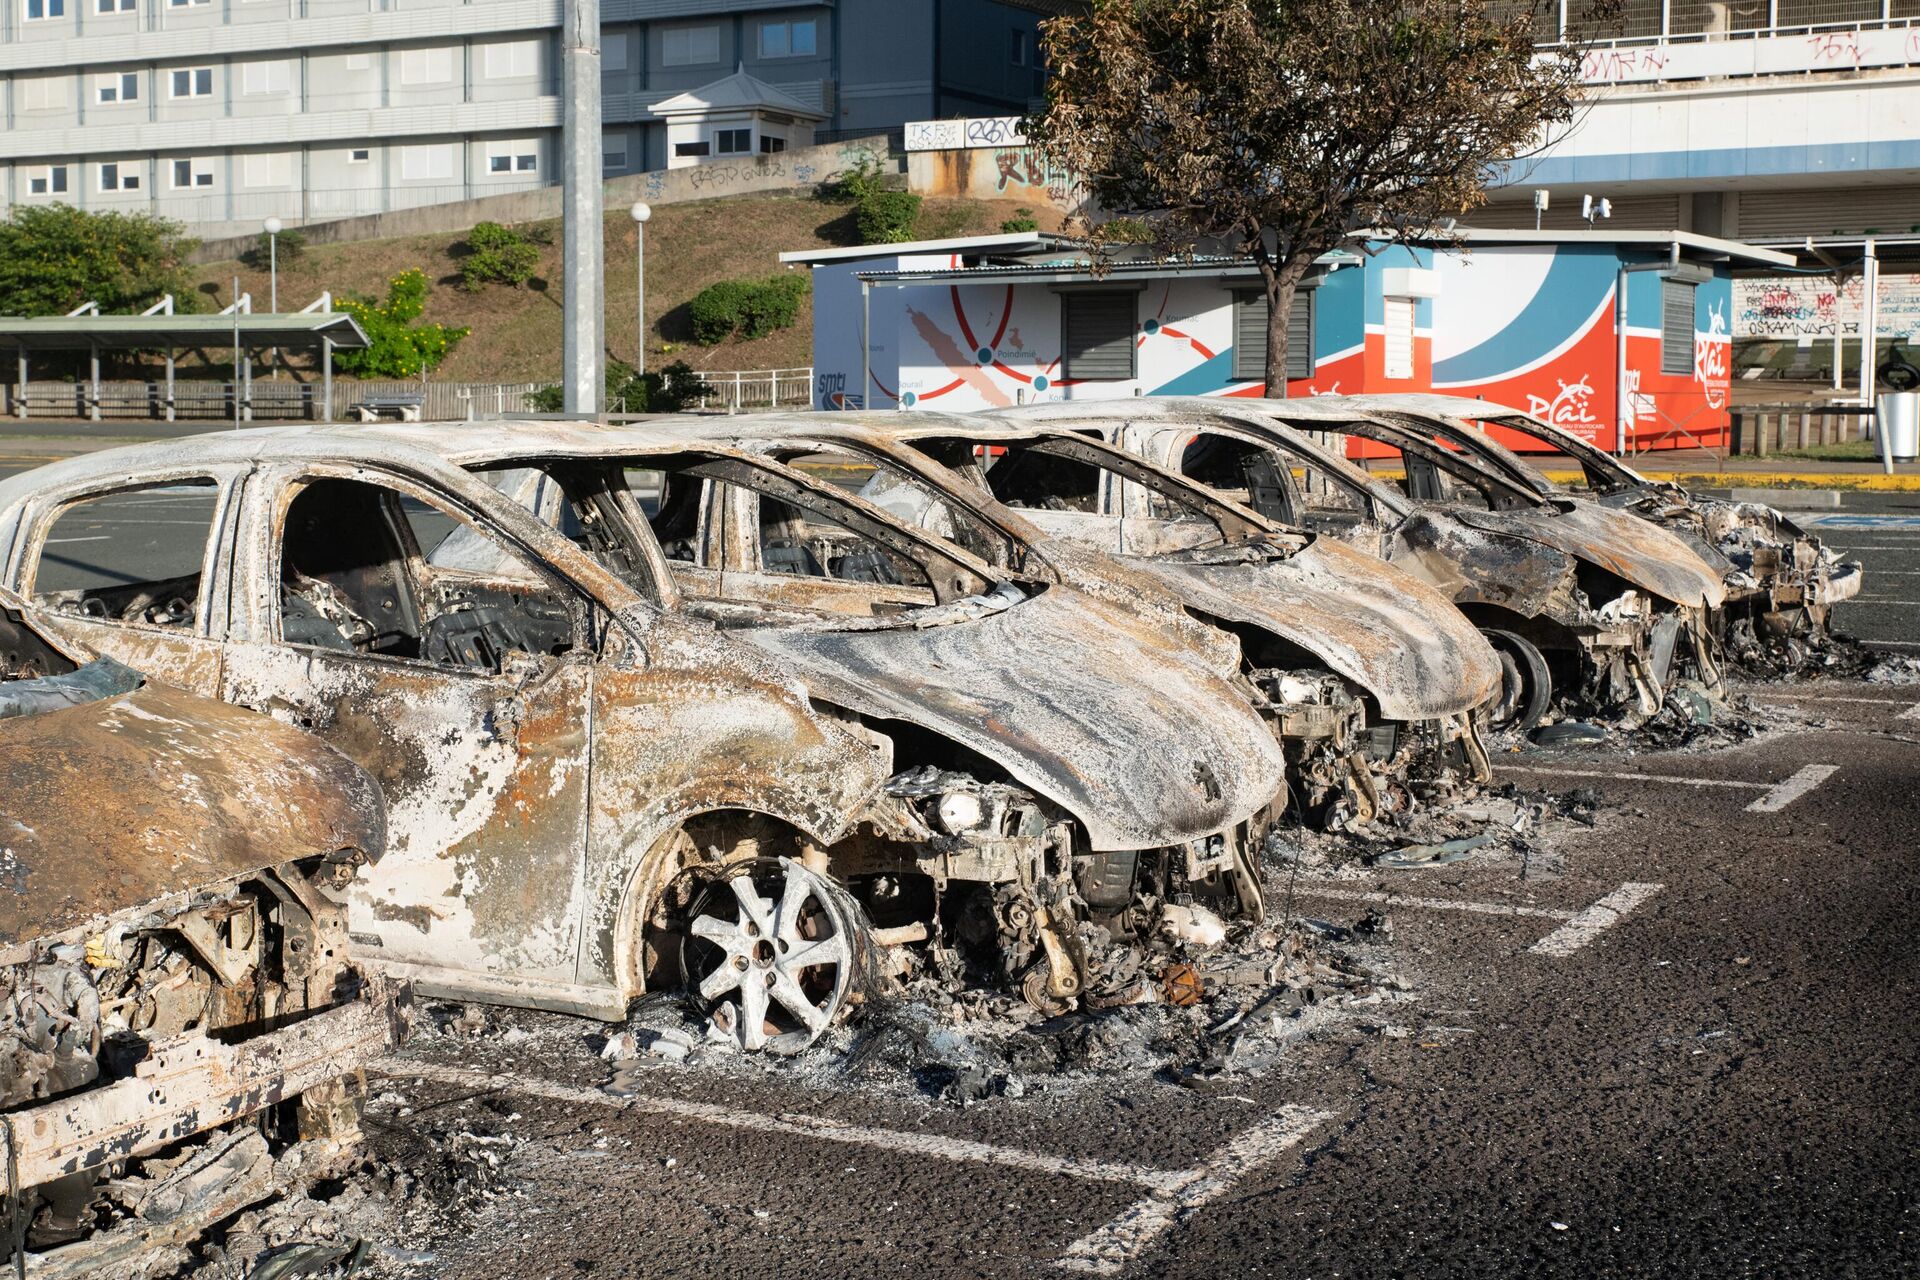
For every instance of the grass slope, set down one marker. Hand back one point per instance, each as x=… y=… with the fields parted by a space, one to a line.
x=516 y=332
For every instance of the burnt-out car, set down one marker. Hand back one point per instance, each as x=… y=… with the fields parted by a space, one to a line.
x=604 y=778
x=1367 y=675
x=1781 y=582
x=182 y=1031
x=1589 y=609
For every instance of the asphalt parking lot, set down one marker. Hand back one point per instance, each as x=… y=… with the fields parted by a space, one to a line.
x=1681 y=1044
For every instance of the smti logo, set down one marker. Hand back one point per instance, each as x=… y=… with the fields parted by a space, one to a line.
x=1573 y=406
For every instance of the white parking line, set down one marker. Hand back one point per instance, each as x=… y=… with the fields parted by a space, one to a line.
x=1433 y=904
x=1892 y=644
x=1882 y=600
x=1633 y=777
x=1160 y=1181
x=54 y=542
x=1589 y=924
x=1911 y=713
x=1803 y=781
x=1109 y=1250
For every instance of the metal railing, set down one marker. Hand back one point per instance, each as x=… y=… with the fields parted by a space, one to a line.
x=1676 y=21
x=736 y=389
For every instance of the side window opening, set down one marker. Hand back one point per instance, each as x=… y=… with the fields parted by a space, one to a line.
x=1238 y=471
x=805 y=545
x=348 y=584
x=134 y=555
x=1043 y=481
x=672 y=506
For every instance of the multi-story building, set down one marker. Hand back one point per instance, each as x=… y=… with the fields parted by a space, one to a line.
x=1767 y=121
x=220 y=113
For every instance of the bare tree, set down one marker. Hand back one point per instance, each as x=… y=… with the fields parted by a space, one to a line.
x=1279 y=128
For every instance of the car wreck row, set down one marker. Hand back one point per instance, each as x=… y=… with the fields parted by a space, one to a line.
x=781 y=713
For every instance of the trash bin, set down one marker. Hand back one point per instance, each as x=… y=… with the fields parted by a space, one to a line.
x=1898 y=414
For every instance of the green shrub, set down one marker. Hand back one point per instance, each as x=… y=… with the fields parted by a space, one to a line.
x=397 y=348
x=887 y=217
x=55 y=257
x=668 y=390
x=290 y=253
x=750 y=308
x=497 y=255
x=1125 y=231
x=1022 y=220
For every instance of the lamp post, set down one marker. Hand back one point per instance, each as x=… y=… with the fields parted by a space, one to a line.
x=272 y=226
x=641 y=212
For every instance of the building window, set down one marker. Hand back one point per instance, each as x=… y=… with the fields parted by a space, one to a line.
x=1676 y=327
x=613 y=156
x=526 y=162
x=188 y=174
x=1096 y=331
x=114 y=6
x=1250 y=336
x=431 y=163
x=1018 y=52
x=122 y=87
x=274 y=169
x=426 y=66
x=733 y=142
x=770 y=144
x=359 y=62
x=266 y=77
x=690 y=46
x=1398 y=362
x=38 y=9
x=613 y=52
x=50 y=181
x=788 y=39
x=115 y=176
x=692 y=149
x=359 y=155
x=188 y=4
x=517 y=61
x=191 y=82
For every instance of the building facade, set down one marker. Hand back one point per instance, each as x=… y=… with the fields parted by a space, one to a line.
x=1767 y=121
x=1526 y=319
x=221 y=113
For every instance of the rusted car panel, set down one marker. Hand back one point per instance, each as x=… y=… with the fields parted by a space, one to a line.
x=173 y=956
x=1777 y=575
x=564 y=738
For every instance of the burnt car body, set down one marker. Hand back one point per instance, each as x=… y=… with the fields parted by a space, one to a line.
x=1781 y=582
x=1363 y=671
x=183 y=1029
x=1587 y=607
x=600 y=783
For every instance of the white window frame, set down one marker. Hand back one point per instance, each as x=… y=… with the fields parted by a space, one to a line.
x=697 y=149
x=772 y=144
x=116 y=87
x=273 y=160
x=512 y=60
x=41 y=181
x=43 y=88
x=188 y=4
x=1400 y=322
x=787 y=27
x=128 y=175
x=193 y=75
x=429 y=154
x=266 y=69
x=359 y=155
x=49 y=10
x=425 y=66
x=612 y=161
x=720 y=145
x=684 y=36
x=196 y=177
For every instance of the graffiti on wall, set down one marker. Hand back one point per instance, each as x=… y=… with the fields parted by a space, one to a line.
x=953 y=135
x=1024 y=169
x=1811 y=307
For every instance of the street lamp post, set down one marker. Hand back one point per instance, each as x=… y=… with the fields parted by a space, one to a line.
x=641 y=212
x=273 y=284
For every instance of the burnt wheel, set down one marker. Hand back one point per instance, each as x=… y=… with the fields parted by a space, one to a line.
x=771 y=949
x=1526 y=685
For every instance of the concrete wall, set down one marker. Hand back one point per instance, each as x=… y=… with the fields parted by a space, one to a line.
x=789 y=171
x=994 y=173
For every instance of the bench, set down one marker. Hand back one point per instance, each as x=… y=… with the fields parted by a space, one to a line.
x=403 y=408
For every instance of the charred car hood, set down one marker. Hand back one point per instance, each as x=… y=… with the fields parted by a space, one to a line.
x=113 y=803
x=1640 y=553
x=1397 y=638
x=1143 y=748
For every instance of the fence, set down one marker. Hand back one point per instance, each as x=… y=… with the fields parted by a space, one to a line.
x=1758 y=428
x=736 y=389
x=269 y=400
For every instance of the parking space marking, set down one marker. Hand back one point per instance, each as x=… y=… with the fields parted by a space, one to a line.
x=1634 y=777
x=1596 y=919
x=1803 y=781
x=1911 y=713
x=1892 y=644
x=1109 y=1250
x=1883 y=600
x=1160 y=1181
x=1433 y=904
